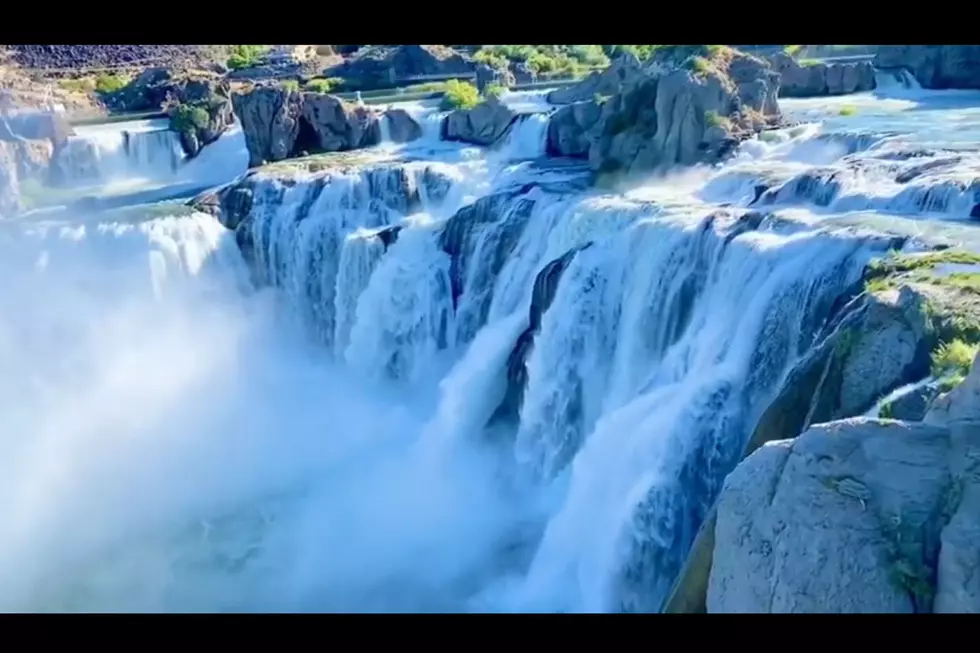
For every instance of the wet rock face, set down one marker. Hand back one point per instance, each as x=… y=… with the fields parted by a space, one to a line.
x=280 y=124
x=935 y=66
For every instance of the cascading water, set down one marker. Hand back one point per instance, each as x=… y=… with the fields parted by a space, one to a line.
x=501 y=391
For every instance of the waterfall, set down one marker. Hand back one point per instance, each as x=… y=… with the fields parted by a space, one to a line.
x=446 y=379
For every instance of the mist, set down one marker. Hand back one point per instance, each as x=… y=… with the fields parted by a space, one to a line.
x=171 y=444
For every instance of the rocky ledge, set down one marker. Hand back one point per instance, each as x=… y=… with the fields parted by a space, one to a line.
x=860 y=514
x=28 y=142
x=281 y=124
x=935 y=66
x=815 y=79
x=686 y=105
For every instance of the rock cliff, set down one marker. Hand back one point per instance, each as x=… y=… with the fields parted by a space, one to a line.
x=687 y=105
x=820 y=79
x=935 y=66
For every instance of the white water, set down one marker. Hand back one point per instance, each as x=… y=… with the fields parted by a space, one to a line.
x=127 y=156
x=334 y=439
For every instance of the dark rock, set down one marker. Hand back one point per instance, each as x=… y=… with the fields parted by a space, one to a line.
x=934 y=66
x=279 y=124
x=820 y=79
x=522 y=72
x=911 y=407
x=484 y=124
x=401 y=126
x=570 y=128
x=383 y=66
x=975 y=212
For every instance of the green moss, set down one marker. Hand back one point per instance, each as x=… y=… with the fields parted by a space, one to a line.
x=324 y=84
x=807 y=63
x=460 y=95
x=245 y=56
x=712 y=119
x=290 y=85
x=793 y=50
x=699 y=65
x=887 y=411
x=847 y=111
x=109 y=83
x=952 y=359
x=896 y=262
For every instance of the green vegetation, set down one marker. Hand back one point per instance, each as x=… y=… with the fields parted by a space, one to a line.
x=712 y=119
x=953 y=359
x=575 y=60
x=895 y=262
x=109 y=83
x=245 y=56
x=80 y=85
x=886 y=411
x=793 y=50
x=494 y=90
x=324 y=84
x=700 y=65
x=848 y=110
x=641 y=52
x=460 y=95
x=290 y=85
x=806 y=63
x=188 y=118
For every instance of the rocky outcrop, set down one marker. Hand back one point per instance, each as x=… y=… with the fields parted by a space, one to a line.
x=601 y=83
x=522 y=72
x=857 y=515
x=934 y=66
x=484 y=124
x=10 y=203
x=684 y=110
x=280 y=124
x=570 y=129
x=820 y=79
x=381 y=66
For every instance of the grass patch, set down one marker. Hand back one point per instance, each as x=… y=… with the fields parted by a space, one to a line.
x=245 y=56
x=894 y=262
x=80 y=85
x=460 y=95
x=847 y=111
x=109 y=83
x=953 y=359
x=290 y=85
x=324 y=84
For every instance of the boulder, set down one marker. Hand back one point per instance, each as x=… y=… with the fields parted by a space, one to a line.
x=934 y=66
x=601 y=83
x=684 y=109
x=280 y=124
x=401 y=126
x=570 y=127
x=383 y=66
x=484 y=124
x=820 y=79
x=522 y=72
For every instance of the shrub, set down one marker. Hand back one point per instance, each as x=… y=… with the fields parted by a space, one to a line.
x=324 y=84
x=953 y=359
x=188 y=118
x=290 y=85
x=712 y=119
x=244 y=56
x=460 y=95
x=109 y=83
x=793 y=50
x=494 y=90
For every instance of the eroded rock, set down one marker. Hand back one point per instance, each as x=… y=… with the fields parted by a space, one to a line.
x=819 y=79
x=484 y=124
x=935 y=66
